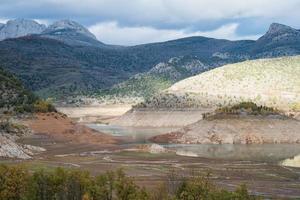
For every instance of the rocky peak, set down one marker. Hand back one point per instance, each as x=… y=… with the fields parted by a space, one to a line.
x=69 y=25
x=179 y=67
x=20 y=27
x=279 y=33
x=276 y=27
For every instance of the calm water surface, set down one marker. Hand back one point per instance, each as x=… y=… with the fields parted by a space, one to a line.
x=265 y=152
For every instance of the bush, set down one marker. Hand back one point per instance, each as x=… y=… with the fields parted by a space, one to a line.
x=249 y=108
x=16 y=183
x=201 y=187
x=13 y=182
x=43 y=106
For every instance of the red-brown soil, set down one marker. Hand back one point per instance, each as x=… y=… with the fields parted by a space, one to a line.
x=60 y=127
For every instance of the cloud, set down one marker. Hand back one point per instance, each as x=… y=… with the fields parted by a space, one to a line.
x=113 y=33
x=3 y=21
x=155 y=13
x=155 y=20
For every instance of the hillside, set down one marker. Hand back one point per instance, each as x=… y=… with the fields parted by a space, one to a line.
x=23 y=114
x=244 y=123
x=160 y=77
x=272 y=82
x=236 y=130
x=14 y=97
x=66 y=60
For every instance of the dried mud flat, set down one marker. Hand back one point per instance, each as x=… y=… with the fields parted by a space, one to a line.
x=75 y=146
x=159 y=118
x=263 y=178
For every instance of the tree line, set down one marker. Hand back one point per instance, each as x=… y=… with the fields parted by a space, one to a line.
x=18 y=183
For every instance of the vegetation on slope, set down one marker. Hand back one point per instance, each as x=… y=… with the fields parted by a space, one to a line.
x=247 y=108
x=271 y=82
x=17 y=183
x=136 y=88
x=159 y=78
x=59 y=68
x=243 y=108
x=16 y=98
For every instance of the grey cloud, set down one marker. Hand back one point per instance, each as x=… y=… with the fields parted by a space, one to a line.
x=252 y=16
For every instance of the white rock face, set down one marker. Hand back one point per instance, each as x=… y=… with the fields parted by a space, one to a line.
x=20 y=27
x=275 y=27
x=68 y=24
x=175 y=66
x=10 y=149
x=292 y=162
x=156 y=148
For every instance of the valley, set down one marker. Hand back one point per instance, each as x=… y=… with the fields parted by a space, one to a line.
x=184 y=106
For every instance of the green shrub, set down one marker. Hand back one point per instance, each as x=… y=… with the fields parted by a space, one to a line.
x=43 y=106
x=249 y=108
x=13 y=182
x=16 y=183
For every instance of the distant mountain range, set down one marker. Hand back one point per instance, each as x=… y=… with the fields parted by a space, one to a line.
x=65 y=59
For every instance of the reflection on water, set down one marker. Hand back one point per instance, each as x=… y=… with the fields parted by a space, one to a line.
x=266 y=152
x=137 y=135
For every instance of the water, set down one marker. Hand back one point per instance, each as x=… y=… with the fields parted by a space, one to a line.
x=263 y=152
x=271 y=153
x=133 y=134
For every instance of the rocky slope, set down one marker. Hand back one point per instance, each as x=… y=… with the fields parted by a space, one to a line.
x=71 y=33
x=20 y=27
x=14 y=99
x=230 y=129
x=10 y=131
x=80 y=65
x=244 y=123
x=160 y=77
x=23 y=114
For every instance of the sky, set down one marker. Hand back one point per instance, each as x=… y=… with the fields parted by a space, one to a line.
x=131 y=22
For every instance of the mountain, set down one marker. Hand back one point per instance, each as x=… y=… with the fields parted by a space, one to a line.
x=20 y=27
x=160 y=77
x=71 y=33
x=282 y=40
x=66 y=60
x=271 y=82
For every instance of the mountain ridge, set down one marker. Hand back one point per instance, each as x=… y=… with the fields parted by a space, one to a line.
x=20 y=27
x=78 y=64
